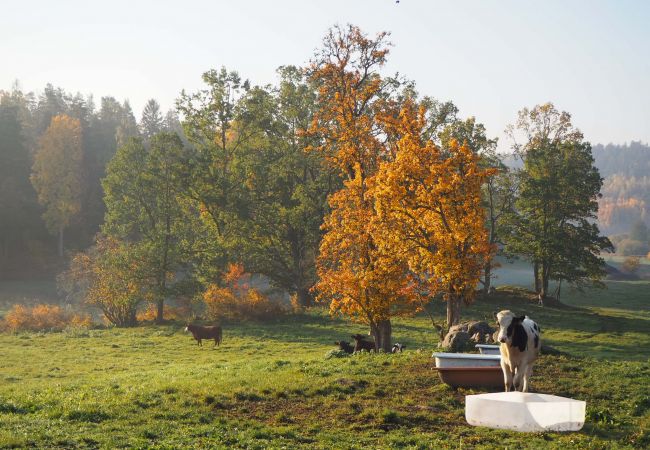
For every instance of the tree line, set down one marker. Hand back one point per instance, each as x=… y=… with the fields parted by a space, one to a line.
x=339 y=184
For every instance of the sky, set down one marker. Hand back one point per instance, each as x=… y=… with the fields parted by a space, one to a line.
x=490 y=57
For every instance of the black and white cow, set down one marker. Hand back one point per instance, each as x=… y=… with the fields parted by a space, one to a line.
x=520 y=345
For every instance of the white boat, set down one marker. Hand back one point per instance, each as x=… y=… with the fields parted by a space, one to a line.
x=525 y=411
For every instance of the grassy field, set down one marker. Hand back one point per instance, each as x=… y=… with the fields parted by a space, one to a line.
x=274 y=386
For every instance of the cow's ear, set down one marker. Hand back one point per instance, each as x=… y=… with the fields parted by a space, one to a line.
x=495 y=316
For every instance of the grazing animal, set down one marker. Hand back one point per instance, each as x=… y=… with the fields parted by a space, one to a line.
x=520 y=346
x=360 y=343
x=397 y=348
x=201 y=332
x=345 y=346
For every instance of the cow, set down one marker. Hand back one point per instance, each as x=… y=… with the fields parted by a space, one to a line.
x=345 y=346
x=520 y=344
x=202 y=332
x=397 y=348
x=360 y=343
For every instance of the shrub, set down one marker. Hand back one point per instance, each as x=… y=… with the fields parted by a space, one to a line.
x=182 y=311
x=631 y=264
x=43 y=318
x=113 y=276
x=237 y=301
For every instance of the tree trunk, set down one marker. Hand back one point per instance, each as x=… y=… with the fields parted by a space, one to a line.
x=544 y=281
x=487 y=273
x=304 y=297
x=60 y=247
x=453 y=311
x=538 y=286
x=160 y=310
x=385 y=330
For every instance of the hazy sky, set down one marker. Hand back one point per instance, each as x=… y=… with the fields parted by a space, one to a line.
x=490 y=57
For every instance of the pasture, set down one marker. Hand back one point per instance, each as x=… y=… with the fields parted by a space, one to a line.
x=278 y=385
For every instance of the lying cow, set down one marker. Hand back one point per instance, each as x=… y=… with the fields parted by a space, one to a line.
x=397 y=348
x=201 y=332
x=520 y=345
x=360 y=343
x=345 y=346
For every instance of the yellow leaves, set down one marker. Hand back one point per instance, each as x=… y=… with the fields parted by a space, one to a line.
x=56 y=173
x=237 y=301
x=432 y=201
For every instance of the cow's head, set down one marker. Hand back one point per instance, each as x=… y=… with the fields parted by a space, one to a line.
x=507 y=322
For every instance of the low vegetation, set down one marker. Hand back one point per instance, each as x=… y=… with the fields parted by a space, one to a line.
x=273 y=385
x=42 y=317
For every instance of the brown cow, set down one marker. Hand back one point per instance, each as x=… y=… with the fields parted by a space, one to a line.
x=200 y=332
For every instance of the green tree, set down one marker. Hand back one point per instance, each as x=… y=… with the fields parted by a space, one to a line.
x=56 y=174
x=213 y=177
x=557 y=205
x=152 y=121
x=143 y=207
x=287 y=187
x=16 y=194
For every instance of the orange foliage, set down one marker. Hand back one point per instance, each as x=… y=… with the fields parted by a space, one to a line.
x=408 y=222
x=43 y=318
x=429 y=210
x=237 y=301
x=182 y=312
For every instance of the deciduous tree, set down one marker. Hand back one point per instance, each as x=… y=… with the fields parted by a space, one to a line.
x=430 y=213
x=57 y=175
x=356 y=274
x=144 y=207
x=557 y=204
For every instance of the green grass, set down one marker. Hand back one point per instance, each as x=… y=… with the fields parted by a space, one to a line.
x=273 y=385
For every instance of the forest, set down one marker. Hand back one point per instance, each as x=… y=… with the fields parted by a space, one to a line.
x=338 y=184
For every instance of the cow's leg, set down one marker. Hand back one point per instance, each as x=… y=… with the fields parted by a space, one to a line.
x=215 y=342
x=521 y=377
x=200 y=342
x=516 y=380
x=527 y=375
x=507 y=375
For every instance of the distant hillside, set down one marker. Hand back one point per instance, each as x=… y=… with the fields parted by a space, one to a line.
x=626 y=190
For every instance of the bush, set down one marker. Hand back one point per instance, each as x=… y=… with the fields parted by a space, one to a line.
x=631 y=264
x=182 y=312
x=238 y=301
x=43 y=318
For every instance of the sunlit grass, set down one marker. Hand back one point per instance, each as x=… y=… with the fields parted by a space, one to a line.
x=273 y=385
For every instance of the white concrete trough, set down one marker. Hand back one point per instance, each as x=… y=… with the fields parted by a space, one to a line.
x=525 y=411
x=445 y=360
x=488 y=349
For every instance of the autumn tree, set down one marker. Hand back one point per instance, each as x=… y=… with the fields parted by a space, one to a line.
x=57 y=175
x=358 y=276
x=430 y=211
x=144 y=208
x=111 y=275
x=557 y=206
